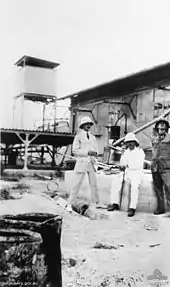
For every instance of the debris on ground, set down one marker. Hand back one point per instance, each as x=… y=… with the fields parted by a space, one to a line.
x=70 y=262
x=154 y=245
x=83 y=209
x=93 y=256
x=120 y=280
x=12 y=190
x=108 y=280
x=99 y=245
x=11 y=178
x=94 y=214
x=150 y=228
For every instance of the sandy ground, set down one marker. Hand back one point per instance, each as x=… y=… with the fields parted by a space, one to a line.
x=130 y=250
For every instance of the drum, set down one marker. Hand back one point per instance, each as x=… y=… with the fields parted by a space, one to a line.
x=30 y=253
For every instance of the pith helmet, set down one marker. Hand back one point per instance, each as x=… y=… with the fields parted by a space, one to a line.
x=85 y=120
x=131 y=137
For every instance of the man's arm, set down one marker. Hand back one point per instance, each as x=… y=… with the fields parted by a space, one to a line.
x=123 y=161
x=78 y=150
x=94 y=149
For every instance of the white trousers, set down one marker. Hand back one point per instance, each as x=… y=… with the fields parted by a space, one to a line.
x=133 y=180
x=77 y=182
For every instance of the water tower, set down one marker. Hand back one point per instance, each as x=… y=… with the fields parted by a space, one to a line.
x=36 y=84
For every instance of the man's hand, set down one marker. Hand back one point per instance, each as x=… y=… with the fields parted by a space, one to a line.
x=92 y=153
x=122 y=167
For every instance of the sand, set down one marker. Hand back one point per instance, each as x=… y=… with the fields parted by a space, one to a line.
x=129 y=249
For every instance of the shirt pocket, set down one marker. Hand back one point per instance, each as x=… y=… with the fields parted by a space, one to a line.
x=164 y=162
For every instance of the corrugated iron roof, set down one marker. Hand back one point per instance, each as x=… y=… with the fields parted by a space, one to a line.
x=133 y=83
x=35 y=62
x=37 y=97
x=34 y=131
x=9 y=137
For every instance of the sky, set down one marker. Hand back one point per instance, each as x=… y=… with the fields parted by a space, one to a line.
x=94 y=41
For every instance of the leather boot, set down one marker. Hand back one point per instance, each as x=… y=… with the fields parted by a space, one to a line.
x=159 y=211
x=131 y=212
x=113 y=207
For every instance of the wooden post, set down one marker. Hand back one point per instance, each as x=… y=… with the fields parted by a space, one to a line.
x=42 y=155
x=26 y=152
x=53 y=157
x=6 y=151
x=26 y=143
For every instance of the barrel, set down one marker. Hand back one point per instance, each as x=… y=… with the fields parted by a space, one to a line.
x=115 y=132
x=30 y=253
x=117 y=155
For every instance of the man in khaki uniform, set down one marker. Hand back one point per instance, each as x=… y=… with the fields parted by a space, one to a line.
x=160 y=165
x=85 y=150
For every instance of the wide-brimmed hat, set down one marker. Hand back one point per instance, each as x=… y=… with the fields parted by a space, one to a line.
x=85 y=120
x=162 y=121
x=130 y=137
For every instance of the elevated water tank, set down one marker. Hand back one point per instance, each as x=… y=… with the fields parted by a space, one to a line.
x=36 y=76
x=36 y=83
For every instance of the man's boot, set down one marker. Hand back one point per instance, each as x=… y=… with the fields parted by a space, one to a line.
x=160 y=209
x=131 y=212
x=113 y=207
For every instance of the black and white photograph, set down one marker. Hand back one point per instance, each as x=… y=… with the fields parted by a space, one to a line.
x=84 y=143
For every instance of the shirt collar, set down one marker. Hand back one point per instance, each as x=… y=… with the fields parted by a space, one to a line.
x=84 y=132
x=133 y=149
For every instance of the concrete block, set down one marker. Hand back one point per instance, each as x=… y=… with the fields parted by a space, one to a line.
x=146 y=201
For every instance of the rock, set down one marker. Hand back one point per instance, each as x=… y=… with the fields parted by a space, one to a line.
x=72 y=262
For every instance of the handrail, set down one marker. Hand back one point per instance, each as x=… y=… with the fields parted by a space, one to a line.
x=48 y=124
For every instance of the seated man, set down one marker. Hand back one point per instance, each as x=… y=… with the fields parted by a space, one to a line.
x=131 y=163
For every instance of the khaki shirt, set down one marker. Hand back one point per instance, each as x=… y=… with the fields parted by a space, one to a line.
x=160 y=153
x=81 y=146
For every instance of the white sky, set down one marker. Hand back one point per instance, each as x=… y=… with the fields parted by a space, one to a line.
x=93 y=40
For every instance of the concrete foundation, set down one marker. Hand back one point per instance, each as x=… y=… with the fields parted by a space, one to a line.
x=146 y=201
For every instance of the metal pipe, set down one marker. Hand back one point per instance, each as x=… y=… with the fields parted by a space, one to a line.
x=143 y=127
x=101 y=164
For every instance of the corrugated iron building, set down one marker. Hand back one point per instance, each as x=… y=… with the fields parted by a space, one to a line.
x=127 y=103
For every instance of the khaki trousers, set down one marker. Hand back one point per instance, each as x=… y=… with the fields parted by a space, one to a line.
x=161 y=182
x=77 y=182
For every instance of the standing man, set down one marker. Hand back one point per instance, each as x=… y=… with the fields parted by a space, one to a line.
x=160 y=164
x=131 y=162
x=85 y=150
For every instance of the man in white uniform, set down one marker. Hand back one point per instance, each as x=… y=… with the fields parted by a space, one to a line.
x=85 y=150
x=132 y=161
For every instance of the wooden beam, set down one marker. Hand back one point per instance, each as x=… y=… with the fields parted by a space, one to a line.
x=26 y=144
